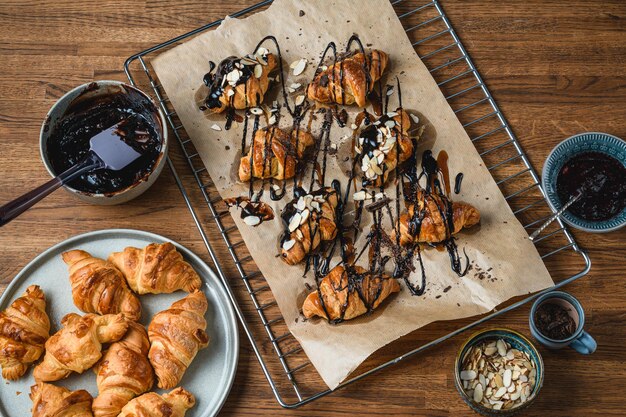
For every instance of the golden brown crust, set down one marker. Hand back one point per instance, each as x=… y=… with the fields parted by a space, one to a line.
x=99 y=287
x=250 y=93
x=52 y=401
x=307 y=237
x=173 y=404
x=336 y=295
x=78 y=345
x=327 y=87
x=123 y=373
x=283 y=155
x=156 y=269
x=24 y=328
x=176 y=335
x=433 y=228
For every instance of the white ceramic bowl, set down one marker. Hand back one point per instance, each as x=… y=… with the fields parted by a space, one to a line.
x=92 y=90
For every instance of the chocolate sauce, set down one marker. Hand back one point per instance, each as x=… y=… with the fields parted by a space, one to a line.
x=85 y=117
x=554 y=321
x=603 y=179
x=457 y=183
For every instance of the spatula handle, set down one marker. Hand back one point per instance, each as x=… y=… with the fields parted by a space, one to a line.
x=18 y=206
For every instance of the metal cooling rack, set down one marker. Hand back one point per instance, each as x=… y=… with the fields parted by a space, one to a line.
x=291 y=377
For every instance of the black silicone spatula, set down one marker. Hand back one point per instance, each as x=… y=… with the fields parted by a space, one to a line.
x=106 y=150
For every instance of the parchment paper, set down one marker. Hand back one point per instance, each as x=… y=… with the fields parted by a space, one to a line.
x=500 y=246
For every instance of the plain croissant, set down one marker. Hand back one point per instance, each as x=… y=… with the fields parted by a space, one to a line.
x=123 y=372
x=176 y=335
x=174 y=404
x=78 y=345
x=24 y=328
x=156 y=269
x=99 y=287
x=52 y=401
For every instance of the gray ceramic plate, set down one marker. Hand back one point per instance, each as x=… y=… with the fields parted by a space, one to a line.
x=211 y=375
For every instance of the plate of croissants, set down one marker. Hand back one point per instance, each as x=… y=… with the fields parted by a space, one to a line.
x=116 y=323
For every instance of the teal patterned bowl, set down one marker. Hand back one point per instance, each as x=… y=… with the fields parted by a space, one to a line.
x=583 y=142
x=517 y=341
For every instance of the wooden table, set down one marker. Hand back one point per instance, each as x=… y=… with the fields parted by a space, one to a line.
x=555 y=68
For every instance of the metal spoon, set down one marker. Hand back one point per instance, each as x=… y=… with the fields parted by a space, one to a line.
x=106 y=150
x=593 y=184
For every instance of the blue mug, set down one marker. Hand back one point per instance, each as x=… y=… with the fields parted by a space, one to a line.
x=580 y=340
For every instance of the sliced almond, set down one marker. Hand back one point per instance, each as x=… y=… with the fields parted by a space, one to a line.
x=230 y=92
x=289 y=244
x=478 y=393
x=359 y=196
x=294 y=222
x=257 y=111
x=501 y=347
x=217 y=127
x=506 y=379
x=301 y=204
x=299 y=100
x=304 y=215
x=252 y=220
x=272 y=120
x=468 y=375
x=258 y=70
x=299 y=66
x=500 y=392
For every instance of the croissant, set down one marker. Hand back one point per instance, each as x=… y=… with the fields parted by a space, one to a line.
x=99 y=287
x=123 y=373
x=348 y=294
x=156 y=269
x=274 y=154
x=176 y=335
x=52 y=401
x=309 y=220
x=173 y=404
x=350 y=80
x=378 y=144
x=77 y=346
x=433 y=228
x=239 y=83
x=24 y=328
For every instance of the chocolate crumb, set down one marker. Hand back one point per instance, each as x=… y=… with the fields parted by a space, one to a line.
x=554 y=321
x=447 y=288
x=301 y=13
x=439 y=296
x=227 y=147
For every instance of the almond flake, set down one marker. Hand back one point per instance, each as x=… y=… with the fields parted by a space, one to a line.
x=272 y=120
x=299 y=66
x=252 y=220
x=468 y=375
x=215 y=126
x=294 y=222
x=299 y=100
x=257 y=111
x=304 y=215
x=289 y=244
x=258 y=71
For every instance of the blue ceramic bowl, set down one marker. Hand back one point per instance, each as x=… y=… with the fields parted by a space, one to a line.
x=584 y=142
x=517 y=341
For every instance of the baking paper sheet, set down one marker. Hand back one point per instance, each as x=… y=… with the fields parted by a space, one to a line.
x=303 y=29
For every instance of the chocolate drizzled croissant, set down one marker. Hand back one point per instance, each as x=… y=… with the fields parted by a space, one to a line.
x=348 y=292
x=350 y=80
x=274 y=154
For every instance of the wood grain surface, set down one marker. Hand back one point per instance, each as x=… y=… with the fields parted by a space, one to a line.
x=555 y=68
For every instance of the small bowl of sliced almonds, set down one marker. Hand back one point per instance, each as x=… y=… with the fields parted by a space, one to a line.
x=498 y=372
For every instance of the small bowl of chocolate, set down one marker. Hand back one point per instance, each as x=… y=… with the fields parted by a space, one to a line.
x=592 y=165
x=90 y=109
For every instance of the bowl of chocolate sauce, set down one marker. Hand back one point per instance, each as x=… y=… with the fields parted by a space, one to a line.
x=594 y=163
x=86 y=111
